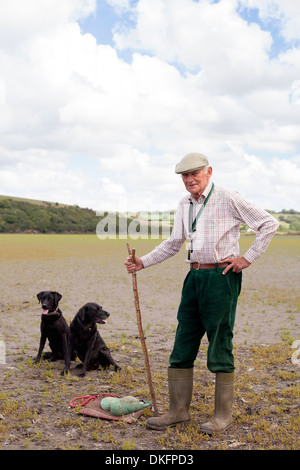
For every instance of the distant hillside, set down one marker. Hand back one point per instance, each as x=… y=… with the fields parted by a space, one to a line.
x=289 y=220
x=19 y=215
x=26 y=215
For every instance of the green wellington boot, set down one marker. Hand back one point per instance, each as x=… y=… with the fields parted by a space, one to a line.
x=180 y=393
x=222 y=417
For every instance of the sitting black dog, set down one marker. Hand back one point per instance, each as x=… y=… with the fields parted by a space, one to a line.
x=53 y=327
x=85 y=339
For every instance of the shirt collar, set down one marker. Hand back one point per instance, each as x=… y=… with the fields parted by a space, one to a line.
x=203 y=196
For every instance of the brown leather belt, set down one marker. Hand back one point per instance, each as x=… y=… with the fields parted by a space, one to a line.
x=208 y=266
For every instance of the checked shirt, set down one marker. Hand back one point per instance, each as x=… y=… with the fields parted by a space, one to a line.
x=217 y=231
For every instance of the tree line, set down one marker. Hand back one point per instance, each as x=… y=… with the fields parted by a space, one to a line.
x=19 y=216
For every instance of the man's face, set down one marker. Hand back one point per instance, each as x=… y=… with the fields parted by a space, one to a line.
x=196 y=181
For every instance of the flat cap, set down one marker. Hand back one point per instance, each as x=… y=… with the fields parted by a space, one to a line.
x=191 y=162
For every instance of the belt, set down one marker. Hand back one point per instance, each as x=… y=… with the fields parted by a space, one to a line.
x=208 y=266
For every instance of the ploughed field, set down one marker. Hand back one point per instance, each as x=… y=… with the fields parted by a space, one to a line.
x=34 y=399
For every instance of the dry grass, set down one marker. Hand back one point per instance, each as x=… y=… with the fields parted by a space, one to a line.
x=266 y=413
x=34 y=399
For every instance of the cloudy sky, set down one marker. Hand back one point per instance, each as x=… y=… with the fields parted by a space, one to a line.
x=100 y=99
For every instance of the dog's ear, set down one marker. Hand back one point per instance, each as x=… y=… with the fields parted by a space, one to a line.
x=39 y=295
x=57 y=297
x=81 y=314
x=79 y=318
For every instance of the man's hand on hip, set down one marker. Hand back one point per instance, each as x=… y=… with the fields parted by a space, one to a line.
x=236 y=264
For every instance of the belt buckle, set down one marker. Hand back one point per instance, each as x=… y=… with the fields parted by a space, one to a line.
x=198 y=266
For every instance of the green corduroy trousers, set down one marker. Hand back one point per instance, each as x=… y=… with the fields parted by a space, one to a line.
x=208 y=305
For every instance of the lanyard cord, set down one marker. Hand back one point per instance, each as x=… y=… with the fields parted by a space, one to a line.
x=192 y=226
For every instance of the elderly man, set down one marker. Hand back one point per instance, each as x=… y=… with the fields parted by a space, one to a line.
x=209 y=217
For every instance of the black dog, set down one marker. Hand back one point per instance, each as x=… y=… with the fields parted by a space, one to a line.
x=53 y=327
x=85 y=339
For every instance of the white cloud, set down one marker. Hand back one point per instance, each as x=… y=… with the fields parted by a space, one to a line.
x=203 y=35
x=232 y=54
x=64 y=94
x=45 y=171
x=119 y=5
x=295 y=92
x=20 y=21
x=286 y=14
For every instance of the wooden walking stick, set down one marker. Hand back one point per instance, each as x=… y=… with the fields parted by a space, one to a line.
x=141 y=331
